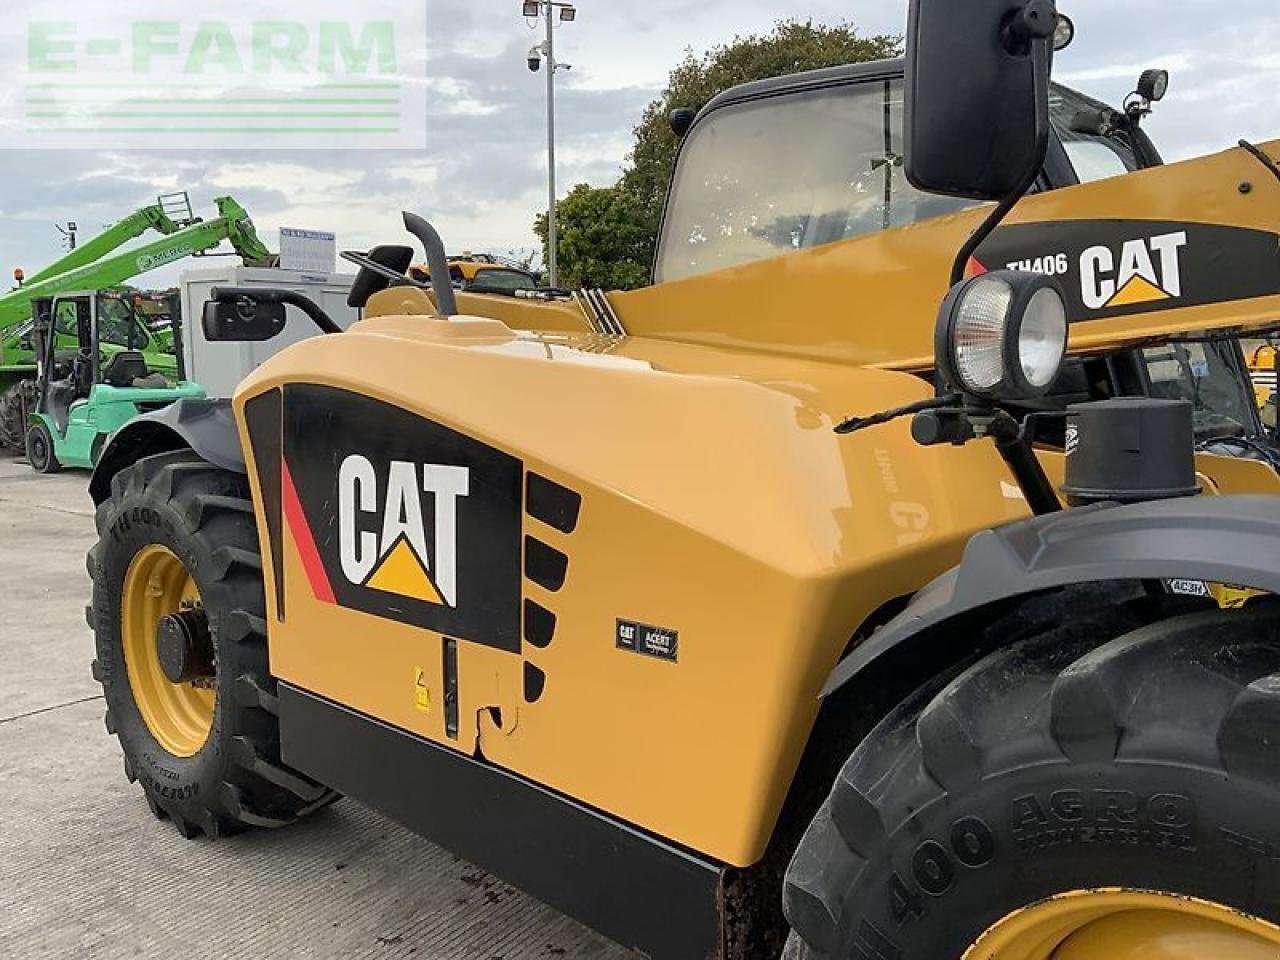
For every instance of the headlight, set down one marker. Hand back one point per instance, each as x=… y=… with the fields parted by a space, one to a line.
x=1003 y=335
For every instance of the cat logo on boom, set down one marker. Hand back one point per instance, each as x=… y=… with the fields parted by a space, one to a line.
x=1141 y=271
x=383 y=534
x=1115 y=268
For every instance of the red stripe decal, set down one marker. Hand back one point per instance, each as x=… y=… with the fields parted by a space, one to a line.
x=297 y=520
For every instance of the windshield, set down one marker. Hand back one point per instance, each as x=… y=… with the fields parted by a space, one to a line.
x=1208 y=375
x=1093 y=155
x=769 y=176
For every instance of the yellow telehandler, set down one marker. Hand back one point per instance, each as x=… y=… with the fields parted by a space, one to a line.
x=848 y=593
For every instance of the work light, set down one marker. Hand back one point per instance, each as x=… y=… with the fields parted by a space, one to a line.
x=1065 y=32
x=1002 y=335
x=568 y=14
x=1153 y=84
x=532 y=8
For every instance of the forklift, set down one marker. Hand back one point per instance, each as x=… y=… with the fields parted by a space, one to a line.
x=84 y=395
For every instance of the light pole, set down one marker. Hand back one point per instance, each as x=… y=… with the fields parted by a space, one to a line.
x=547 y=51
x=68 y=233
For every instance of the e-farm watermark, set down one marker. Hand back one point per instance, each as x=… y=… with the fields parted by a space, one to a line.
x=221 y=74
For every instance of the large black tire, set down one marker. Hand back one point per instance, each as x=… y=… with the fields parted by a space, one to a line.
x=204 y=516
x=14 y=402
x=40 y=450
x=1106 y=752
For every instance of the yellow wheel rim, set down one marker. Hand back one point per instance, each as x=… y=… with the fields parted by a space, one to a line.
x=1127 y=925
x=179 y=716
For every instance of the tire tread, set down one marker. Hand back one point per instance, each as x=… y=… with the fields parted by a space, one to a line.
x=1062 y=693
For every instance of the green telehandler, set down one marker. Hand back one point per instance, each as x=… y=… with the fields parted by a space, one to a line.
x=99 y=265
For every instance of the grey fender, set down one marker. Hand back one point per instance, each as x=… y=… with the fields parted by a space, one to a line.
x=1234 y=539
x=207 y=427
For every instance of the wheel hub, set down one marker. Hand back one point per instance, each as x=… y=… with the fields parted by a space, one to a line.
x=1127 y=925
x=168 y=651
x=184 y=647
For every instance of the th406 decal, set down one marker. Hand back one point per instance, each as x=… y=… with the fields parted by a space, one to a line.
x=1112 y=268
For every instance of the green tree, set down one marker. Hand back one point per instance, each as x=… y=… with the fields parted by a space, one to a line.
x=605 y=238
x=792 y=46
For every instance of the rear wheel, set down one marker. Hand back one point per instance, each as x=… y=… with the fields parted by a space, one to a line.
x=1101 y=789
x=14 y=402
x=177 y=614
x=40 y=452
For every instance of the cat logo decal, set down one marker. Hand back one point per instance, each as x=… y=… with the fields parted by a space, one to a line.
x=1116 y=268
x=403 y=518
x=382 y=533
x=1141 y=271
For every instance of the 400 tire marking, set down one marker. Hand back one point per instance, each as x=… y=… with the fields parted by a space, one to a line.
x=933 y=867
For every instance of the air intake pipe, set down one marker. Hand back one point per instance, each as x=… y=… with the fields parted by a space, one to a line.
x=437 y=263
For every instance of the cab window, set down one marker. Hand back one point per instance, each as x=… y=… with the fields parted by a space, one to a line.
x=64 y=320
x=504 y=281
x=1203 y=373
x=1094 y=156
x=783 y=173
x=117 y=325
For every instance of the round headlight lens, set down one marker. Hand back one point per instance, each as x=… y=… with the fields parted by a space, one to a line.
x=1002 y=336
x=1042 y=341
x=979 y=334
x=1064 y=33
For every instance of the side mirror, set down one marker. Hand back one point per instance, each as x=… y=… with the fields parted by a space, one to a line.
x=242 y=320
x=977 y=94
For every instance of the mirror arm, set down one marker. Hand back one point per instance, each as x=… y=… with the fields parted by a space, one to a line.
x=1040 y=57
x=266 y=295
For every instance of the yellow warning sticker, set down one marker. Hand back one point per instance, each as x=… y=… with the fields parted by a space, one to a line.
x=421 y=695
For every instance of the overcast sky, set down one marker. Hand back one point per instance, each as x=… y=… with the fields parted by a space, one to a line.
x=482 y=179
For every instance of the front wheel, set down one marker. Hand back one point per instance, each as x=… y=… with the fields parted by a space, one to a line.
x=1097 y=790
x=40 y=451
x=178 y=617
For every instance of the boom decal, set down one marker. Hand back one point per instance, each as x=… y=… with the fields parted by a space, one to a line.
x=1114 y=268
